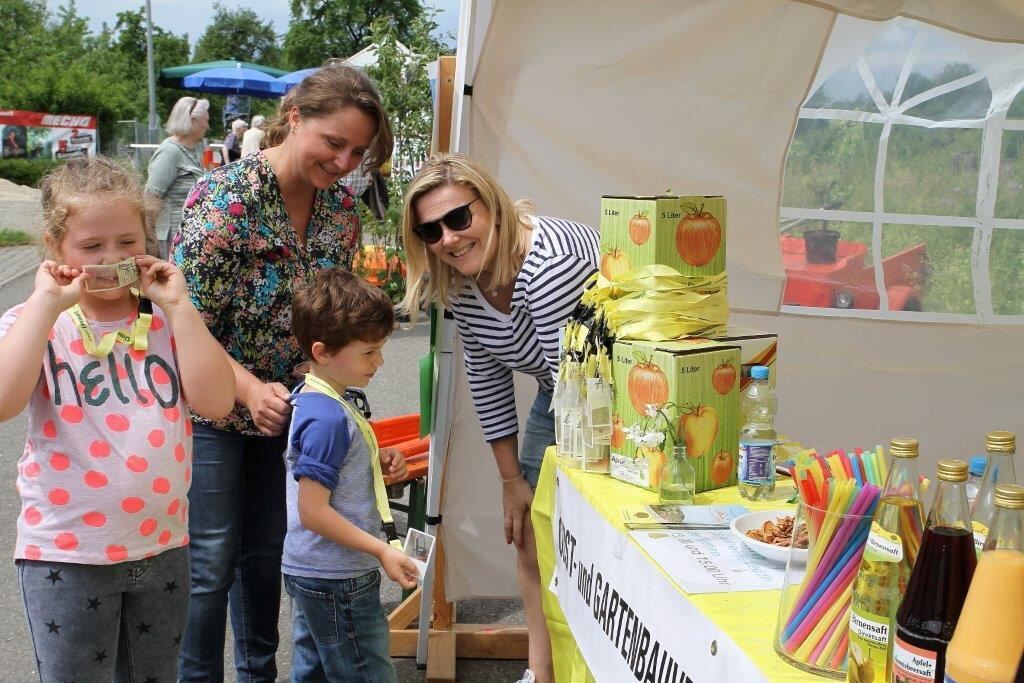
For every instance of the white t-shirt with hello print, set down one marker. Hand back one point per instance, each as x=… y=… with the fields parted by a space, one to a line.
x=107 y=464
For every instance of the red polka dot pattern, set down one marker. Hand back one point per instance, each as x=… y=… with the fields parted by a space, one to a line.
x=32 y=552
x=33 y=516
x=132 y=504
x=99 y=449
x=59 y=496
x=66 y=541
x=118 y=422
x=147 y=527
x=94 y=518
x=137 y=464
x=161 y=485
x=60 y=462
x=71 y=414
x=96 y=480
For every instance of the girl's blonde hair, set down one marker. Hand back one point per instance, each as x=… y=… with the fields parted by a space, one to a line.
x=77 y=182
x=329 y=89
x=429 y=279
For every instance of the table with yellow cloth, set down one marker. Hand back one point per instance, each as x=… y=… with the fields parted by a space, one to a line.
x=748 y=618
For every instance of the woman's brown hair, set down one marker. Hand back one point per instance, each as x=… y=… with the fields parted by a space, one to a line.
x=329 y=89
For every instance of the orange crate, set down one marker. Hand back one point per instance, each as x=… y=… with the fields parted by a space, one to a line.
x=391 y=431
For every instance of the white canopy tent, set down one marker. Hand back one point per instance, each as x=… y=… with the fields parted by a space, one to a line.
x=567 y=101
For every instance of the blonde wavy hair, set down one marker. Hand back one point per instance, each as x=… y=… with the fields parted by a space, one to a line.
x=79 y=182
x=428 y=278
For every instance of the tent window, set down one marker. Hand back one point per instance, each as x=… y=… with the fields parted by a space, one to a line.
x=903 y=194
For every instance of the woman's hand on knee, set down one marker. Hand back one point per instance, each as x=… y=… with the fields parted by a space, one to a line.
x=268 y=404
x=516 y=499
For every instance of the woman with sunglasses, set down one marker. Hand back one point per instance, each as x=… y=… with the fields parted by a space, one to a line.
x=253 y=231
x=511 y=279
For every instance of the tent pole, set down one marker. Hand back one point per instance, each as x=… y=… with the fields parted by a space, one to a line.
x=439 y=436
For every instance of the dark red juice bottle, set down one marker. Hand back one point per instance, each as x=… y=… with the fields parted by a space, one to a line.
x=938 y=584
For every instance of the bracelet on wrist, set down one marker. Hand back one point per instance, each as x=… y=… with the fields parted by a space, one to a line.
x=509 y=480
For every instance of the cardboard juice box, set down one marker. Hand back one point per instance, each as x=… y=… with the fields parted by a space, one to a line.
x=756 y=348
x=686 y=233
x=687 y=389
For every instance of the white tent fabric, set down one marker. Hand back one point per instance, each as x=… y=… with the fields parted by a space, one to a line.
x=571 y=102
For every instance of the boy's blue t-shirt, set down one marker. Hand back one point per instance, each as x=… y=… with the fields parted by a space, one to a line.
x=325 y=445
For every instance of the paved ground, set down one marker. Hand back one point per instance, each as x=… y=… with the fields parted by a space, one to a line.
x=390 y=394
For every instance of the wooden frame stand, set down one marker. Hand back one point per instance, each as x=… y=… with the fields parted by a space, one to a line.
x=447 y=639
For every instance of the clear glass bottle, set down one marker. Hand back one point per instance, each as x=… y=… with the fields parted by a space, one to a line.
x=678 y=478
x=938 y=583
x=758 y=439
x=1000 y=446
x=989 y=638
x=889 y=556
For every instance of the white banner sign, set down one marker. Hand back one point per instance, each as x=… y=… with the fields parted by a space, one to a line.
x=629 y=622
x=709 y=561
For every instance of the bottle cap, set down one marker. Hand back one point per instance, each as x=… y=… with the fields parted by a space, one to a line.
x=1010 y=496
x=904 y=448
x=978 y=463
x=952 y=470
x=759 y=372
x=1001 y=442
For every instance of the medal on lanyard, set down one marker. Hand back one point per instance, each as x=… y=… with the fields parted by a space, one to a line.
x=137 y=337
x=379 y=490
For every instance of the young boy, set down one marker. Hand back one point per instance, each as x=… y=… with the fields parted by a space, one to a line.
x=335 y=496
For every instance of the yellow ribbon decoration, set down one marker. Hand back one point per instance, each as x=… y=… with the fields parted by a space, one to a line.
x=379 y=490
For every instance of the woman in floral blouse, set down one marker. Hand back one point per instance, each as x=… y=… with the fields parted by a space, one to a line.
x=251 y=232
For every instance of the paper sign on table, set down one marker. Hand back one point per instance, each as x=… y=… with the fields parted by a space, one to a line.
x=680 y=516
x=709 y=561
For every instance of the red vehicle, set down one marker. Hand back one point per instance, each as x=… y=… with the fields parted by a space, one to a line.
x=849 y=281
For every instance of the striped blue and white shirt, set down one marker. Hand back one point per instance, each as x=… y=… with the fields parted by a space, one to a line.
x=562 y=257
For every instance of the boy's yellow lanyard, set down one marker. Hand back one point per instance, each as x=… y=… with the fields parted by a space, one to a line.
x=379 y=491
x=137 y=337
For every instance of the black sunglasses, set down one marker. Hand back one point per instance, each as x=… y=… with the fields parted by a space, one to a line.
x=457 y=220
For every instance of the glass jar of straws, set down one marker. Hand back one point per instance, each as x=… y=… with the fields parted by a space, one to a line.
x=812 y=632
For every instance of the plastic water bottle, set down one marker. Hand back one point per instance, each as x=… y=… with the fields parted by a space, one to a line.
x=757 y=437
x=975 y=472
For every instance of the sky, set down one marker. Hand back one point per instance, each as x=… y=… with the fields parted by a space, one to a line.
x=192 y=16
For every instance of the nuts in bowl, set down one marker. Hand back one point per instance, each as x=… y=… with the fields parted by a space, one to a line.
x=769 y=533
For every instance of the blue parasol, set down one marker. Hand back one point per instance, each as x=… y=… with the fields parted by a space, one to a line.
x=285 y=83
x=232 y=81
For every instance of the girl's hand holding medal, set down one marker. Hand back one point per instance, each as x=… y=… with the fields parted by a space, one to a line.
x=161 y=282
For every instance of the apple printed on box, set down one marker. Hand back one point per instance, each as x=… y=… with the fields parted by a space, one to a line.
x=686 y=233
x=667 y=391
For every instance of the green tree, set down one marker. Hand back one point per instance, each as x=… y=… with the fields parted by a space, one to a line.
x=168 y=50
x=401 y=78
x=238 y=34
x=320 y=29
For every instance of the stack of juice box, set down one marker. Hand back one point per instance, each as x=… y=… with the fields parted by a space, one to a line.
x=687 y=389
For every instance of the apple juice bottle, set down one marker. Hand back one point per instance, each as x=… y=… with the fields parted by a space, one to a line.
x=1001 y=447
x=889 y=556
x=938 y=583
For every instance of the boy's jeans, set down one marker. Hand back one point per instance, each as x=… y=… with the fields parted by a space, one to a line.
x=340 y=630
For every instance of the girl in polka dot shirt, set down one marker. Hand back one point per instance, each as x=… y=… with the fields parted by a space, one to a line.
x=102 y=553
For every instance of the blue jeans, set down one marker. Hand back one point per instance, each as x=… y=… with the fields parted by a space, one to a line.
x=340 y=630
x=237 y=525
x=538 y=435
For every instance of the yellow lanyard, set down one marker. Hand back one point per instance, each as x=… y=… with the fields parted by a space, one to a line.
x=379 y=490
x=137 y=337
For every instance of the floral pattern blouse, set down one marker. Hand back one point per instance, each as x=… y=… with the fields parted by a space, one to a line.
x=242 y=259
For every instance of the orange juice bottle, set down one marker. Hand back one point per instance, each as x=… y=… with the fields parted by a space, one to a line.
x=989 y=640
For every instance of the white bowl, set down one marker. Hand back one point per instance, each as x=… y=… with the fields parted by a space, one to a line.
x=775 y=553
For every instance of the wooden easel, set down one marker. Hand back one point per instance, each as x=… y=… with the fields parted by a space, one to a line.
x=448 y=640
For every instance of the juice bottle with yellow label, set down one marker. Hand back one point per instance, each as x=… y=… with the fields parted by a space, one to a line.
x=892 y=547
x=989 y=640
x=1001 y=447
